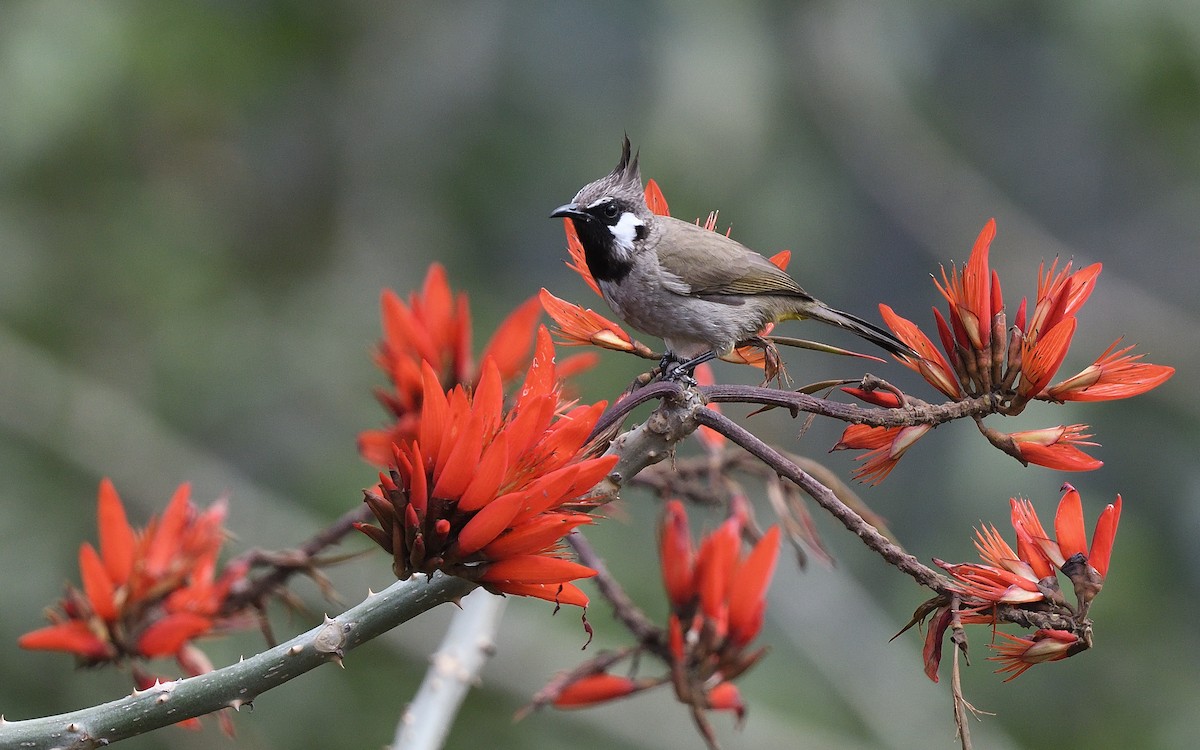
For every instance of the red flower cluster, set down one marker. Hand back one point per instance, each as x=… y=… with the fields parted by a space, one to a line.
x=718 y=602
x=1028 y=575
x=485 y=494
x=434 y=328
x=984 y=356
x=146 y=593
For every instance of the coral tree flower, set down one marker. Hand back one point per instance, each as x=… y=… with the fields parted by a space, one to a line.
x=1018 y=654
x=1056 y=448
x=1115 y=374
x=885 y=447
x=1026 y=576
x=718 y=604
x=981 y=355
x=717 y=596
x=576 y=326
x=434 y=327
x=486 y=494
x=148 y=592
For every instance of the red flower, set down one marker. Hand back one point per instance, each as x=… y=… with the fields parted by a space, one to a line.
x=885 y=447
x=593 y=689
x=1115 y=374
x=1019 y=654
x=434 y=327
x=146 y=593
x=1015 y=365
x=579 y=327
x=488 y=495
x=981 y=360
x=718 y=602
x=931 y=365
x=717 y=597
x=1027 y=575
x=1055 y=448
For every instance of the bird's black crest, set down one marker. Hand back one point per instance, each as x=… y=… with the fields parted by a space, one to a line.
x=627 y=169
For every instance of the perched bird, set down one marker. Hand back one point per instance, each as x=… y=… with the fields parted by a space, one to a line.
x=699 y=291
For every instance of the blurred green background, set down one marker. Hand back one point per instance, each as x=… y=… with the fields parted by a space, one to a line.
x=199 y=204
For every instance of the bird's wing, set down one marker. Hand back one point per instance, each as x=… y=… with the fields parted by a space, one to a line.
x=711 y=264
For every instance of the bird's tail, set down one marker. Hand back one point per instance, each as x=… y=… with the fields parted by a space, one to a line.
x=859 y=327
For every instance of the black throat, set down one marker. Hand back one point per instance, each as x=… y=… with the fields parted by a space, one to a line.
x=599 y=252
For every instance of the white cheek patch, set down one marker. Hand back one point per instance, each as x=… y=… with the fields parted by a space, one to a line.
x=625 y=231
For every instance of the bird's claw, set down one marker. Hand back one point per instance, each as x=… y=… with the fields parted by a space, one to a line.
x=680 y=374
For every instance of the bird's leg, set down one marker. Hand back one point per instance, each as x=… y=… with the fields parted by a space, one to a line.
x=674 y=369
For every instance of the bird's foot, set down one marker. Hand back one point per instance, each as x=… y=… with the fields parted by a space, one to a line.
x=681 y=371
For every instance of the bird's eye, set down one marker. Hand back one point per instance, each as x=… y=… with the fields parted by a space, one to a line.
x=611 y=211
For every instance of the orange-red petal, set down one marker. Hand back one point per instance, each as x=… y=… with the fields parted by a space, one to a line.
x=489 y=476
x=1068 y=524
x=535 y=569
x=73 y=636
x=1041 y=361
x=1102 y=538
x=559 y=593
x=512 y=341
x=167 y=537
x=675 y=552
x=931 y=365
x=714 y=570
x=489 y=522
x=117 y=539
x=746 y=597
x=168 y=634
x=96 y=583
x=536 y=535
x=977 y=294
x=655 y=199
x=594 y=689
x=461 y=463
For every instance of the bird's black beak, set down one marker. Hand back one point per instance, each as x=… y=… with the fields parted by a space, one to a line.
x=570 y=211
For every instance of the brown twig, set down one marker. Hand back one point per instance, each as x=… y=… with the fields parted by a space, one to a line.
x=916 y=412
x=824 y=497
x=282 y=565
x=642 y=627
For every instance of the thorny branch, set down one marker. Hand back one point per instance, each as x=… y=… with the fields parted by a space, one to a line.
x=238 y=684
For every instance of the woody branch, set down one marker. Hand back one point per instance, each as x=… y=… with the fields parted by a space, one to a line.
x=237 y=684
